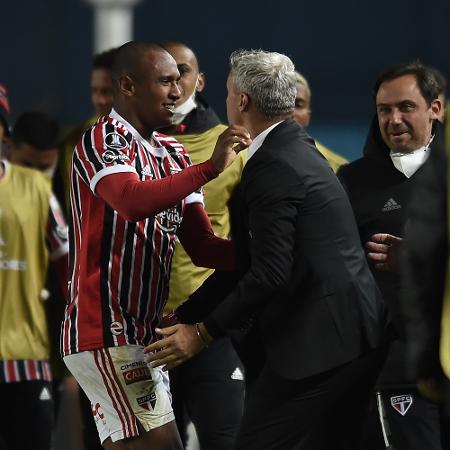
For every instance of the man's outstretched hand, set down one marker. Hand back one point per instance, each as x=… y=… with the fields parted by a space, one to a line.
x=384 y=251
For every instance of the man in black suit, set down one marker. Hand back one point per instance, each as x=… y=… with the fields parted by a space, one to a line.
x=307 y=283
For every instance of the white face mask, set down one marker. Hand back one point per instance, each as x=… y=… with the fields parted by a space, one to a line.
x=409 y=163
x=181 y=111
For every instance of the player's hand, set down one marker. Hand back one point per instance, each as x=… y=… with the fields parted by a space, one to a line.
x=177 y=344
x=234 y=139
x=384 y=251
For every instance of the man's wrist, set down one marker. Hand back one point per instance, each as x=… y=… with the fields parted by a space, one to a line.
x=203 y=333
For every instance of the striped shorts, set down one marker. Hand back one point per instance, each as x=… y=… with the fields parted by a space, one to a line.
x=122 y=388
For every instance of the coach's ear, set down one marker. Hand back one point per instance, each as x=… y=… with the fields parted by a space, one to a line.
x=126 y=85
x=244 y=102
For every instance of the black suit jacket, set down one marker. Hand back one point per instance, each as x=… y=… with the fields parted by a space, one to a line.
x=301 y=269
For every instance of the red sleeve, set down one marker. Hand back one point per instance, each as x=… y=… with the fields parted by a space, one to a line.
x=136 y=200
x=201 y=244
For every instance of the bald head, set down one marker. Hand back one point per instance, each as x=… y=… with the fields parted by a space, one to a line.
x=130 y=59
x=145 y=79
x=182 y=54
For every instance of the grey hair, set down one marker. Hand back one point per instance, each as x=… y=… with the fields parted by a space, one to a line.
x=268 y=78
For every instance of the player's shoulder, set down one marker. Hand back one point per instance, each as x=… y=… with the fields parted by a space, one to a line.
x=108 y=134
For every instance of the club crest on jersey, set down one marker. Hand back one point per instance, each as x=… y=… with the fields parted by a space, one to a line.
x=115 y=141
x=116 y=328
x=401 y=403
x=168 y=220
x=147 y=402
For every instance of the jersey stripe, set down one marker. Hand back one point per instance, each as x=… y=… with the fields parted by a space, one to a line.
x=15 y=371
x=100 y=363
x=130 y=413
x=107 y=236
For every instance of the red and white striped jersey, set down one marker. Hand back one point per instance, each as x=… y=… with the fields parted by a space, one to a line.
x=119 y=270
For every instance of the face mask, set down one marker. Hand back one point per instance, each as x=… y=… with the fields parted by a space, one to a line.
x=50 y=171
x=183 y=110
x=409 y=163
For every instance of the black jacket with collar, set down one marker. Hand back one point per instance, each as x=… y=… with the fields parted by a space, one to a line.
x=380 y=195
x=306 y=280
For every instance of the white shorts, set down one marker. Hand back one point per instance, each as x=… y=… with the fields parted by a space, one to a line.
x=122 y=388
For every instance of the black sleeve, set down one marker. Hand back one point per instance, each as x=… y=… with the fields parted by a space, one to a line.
x=207 y=297
x=424 y=264
x=272 y=197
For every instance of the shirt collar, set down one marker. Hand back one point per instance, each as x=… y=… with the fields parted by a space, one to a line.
x=157 y=151
x=259 y=140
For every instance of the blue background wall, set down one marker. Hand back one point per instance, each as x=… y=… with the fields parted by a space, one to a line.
x=46 y=49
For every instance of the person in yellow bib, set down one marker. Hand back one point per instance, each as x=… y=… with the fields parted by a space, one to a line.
x=32 y=232
x=302 y=115
x=215 y=377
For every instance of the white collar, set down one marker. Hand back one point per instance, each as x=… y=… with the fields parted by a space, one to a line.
x=258 y=141
x=157 y=151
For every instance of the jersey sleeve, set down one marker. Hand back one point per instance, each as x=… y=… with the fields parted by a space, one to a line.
x=57 y=230
x=178 y=152
x=195 y=197
x=103 y=150
x=198 y=195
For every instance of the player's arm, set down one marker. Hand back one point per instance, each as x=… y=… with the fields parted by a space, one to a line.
x=201 y=244
x=273 y=203
x=136 y=200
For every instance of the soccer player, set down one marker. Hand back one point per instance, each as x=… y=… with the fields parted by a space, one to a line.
x=133 y=192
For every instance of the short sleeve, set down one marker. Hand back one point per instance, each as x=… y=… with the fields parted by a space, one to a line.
x=103 y=150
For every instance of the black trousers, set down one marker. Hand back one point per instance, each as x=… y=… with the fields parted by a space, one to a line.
x=209 y=390
x=27 y=415
x=322 y=412
x=405 y=420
